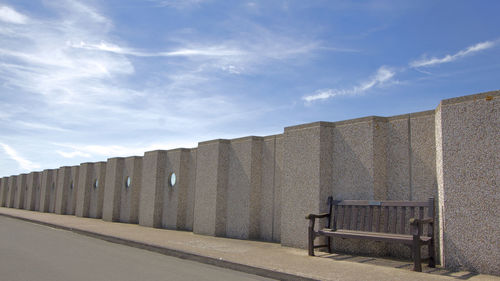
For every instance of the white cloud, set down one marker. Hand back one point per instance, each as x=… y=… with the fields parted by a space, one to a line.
x=23 y=163
x=73 y=154
x=449 y=58
x=10 y=15
x=178 y=4
x=381 y=77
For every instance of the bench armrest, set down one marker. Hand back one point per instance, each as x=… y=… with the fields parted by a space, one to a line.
x=317 y=216
x=415 y=221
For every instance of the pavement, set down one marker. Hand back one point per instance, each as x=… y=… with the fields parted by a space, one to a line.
x=269 y=260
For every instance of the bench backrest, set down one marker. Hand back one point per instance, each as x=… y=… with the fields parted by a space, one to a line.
x=377 y=216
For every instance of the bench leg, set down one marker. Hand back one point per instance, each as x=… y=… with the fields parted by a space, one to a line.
x=311 y=241
x=417 y=261
x=329 y=243
x=432 y=254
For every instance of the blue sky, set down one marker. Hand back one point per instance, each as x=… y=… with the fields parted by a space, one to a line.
x=83 y=81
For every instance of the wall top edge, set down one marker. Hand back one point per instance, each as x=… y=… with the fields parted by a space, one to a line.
x=213 y=141
x=411 y=115
x=133 y=157
x=273 y=137
x=310 y=125
x=165 y=151
x=492 y=94
x=248 y=138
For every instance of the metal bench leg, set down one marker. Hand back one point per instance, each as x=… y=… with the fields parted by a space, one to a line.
x=432 y=254
x=311 y=240
x=417 y=261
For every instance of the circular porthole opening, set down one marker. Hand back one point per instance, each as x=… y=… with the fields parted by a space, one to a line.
x=128 y=182
x=96 y=183
x=172 y=180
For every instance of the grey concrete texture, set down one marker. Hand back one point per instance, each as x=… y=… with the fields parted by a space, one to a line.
x=90 y=193
x=243 y=188
x=468 y=176
x=153 y=181
x=12 y=190
x=266 y=259
x=33 y=182
x=48 y=191
x=122 y=189
x=211 y=187
x=307 y=178
x=3 y=191
x=20 y=194
x=174 y=198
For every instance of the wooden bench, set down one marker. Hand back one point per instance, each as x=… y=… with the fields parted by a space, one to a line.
x=384 y=221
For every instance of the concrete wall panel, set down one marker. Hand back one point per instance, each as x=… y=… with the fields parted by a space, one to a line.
x=20 y=195
x=33 y=182
x=48 y=191
x=129 y=196
x=11 y=193
x=468 y=176
x=153 y=180
x=244 y=181
x=191 y=188
x=211 y=187
x=90 y=193
x=4 y=190
x=112 y=190
x=267 y=189
x=307 y=178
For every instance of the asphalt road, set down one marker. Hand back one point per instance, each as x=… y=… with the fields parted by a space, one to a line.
x=31 y=252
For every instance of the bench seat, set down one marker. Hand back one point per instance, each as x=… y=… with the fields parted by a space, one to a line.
x=376 y=236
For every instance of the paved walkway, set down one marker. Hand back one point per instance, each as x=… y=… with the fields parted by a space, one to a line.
x=261 y=258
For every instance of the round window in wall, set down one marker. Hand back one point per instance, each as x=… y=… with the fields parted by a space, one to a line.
x=128 y=182
x=172 y=180
x=96 y=183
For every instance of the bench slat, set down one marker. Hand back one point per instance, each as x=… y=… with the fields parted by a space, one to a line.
x=394 y=219
x=386 y=219
x=378 y=236
x=370 y=217
x=377 y=219
x=354 y=218
x=382 y=203
x=340 y=221
x=402 y=221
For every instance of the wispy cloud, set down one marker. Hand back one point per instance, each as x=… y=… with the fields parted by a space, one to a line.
x=178 y=4
x=73 y=154
x=23 y=163
x=383 y=75
x=449 y=58
x=10 y=15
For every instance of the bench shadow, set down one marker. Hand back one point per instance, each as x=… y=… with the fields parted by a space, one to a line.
x=397 y=263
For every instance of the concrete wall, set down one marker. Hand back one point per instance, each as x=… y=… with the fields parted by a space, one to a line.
x=48 y=191
x=11 y=193
x=467 y=133
x=33 y=182
x=122 y=190
x=4 y=189
x=90 y=193
x=19 y=198
x=262 y=187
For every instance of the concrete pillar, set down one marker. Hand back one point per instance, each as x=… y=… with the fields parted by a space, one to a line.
x=12 y=189
x=307 y=178
x=48 y=191
x=90 y=193
x=112 y=190
x=33 y=182
x=4 y=189
x=122 y=191
x=153 y=181
x=467 y=162
x=66 y=187
x=22 y=188
x=174 y=198
x=243 y=188
x=211 y=187
x=270 y=213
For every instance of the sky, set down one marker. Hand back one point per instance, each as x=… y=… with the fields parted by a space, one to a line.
x=84 y=81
